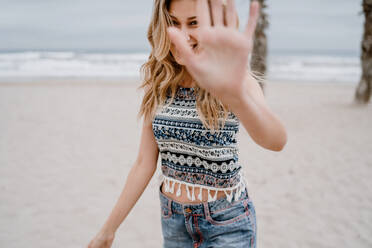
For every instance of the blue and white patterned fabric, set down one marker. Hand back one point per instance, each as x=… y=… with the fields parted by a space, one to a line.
x=193 y=155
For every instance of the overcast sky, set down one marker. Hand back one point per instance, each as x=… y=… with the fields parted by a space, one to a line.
x=120 y=25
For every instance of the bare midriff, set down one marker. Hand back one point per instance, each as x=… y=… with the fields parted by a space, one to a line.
x=183 y=197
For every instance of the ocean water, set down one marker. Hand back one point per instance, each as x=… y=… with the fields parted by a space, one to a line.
x=314 y=40
x=24 y=65
x=314 y=68
x=28 y=65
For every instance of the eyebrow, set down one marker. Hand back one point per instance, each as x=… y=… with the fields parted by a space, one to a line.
x=190 y=18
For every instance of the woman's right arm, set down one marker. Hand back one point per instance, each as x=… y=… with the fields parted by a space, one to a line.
x=137 y=180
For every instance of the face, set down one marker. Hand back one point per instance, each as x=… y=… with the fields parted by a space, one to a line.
x=183 y=16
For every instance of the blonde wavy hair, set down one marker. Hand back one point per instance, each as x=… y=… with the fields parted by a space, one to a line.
x=162 y=74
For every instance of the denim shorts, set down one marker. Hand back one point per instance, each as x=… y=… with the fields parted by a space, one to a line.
x=217 y=224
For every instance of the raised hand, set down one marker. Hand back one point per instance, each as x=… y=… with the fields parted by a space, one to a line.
x=221 y=61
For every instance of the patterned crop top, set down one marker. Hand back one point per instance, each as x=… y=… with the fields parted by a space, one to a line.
x=193 y=155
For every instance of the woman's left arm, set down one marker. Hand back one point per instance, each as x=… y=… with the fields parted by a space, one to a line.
x=260 y=122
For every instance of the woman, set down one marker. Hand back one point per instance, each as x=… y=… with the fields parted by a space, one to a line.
x=197 y=91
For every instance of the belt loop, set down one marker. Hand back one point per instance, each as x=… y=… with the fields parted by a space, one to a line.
x=206 y=210
x=245 y=202
x=246 y=192
x=170 y=206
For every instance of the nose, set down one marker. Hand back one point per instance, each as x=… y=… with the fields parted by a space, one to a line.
x=188 y=34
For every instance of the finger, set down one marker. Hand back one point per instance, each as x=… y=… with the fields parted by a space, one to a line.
x=203 y=13
x=217 y=12
x=253 y=18
x=231 y=15
x=184 y=49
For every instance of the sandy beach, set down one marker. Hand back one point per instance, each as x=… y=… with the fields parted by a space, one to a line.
x=66 y=147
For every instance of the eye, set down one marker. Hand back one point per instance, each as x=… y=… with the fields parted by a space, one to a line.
x=174 y=23
x=193 y=23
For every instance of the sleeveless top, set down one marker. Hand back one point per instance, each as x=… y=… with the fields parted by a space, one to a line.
x=193 y=155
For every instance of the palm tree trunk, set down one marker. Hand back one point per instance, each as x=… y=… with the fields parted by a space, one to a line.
x=364 y=88
x=259 y=55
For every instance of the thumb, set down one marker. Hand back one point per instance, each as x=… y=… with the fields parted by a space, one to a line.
x=180 y=42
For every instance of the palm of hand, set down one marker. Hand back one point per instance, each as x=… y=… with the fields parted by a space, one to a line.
x=220 y=63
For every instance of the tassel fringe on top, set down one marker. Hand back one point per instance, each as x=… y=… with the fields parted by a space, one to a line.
x=170 y=186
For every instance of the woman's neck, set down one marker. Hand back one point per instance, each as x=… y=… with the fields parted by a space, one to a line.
x=188 y=81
